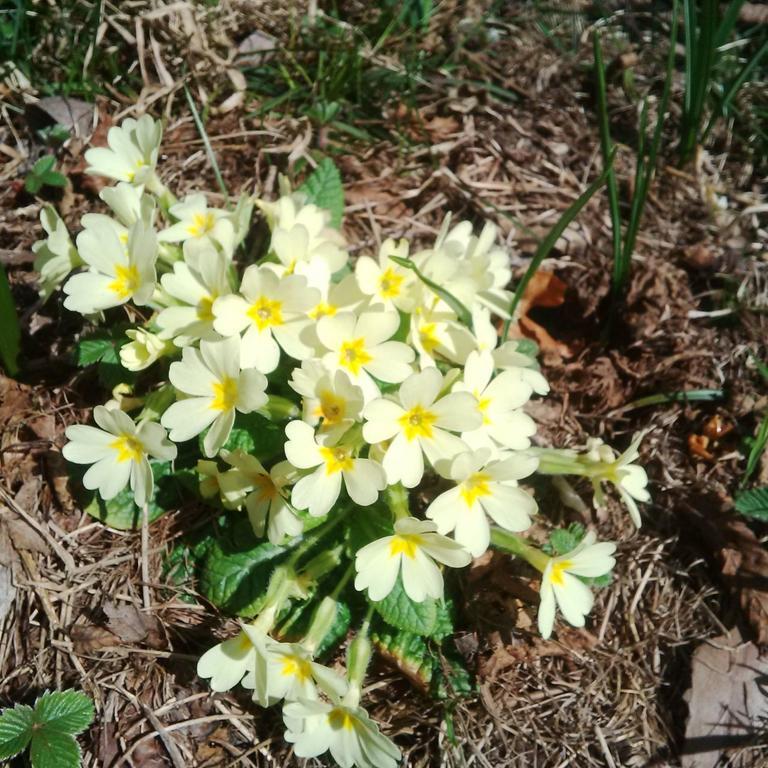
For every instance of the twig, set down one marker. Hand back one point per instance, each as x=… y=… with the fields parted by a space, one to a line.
x=145 y=557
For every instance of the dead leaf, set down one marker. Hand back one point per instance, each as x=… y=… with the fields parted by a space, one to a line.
x=21 y=534
x=544 y=290
x=745 y=564
x=75 y=115
x=125 y=625
x=727 y=701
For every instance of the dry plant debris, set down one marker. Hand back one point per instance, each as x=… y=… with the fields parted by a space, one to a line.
x=71 y=601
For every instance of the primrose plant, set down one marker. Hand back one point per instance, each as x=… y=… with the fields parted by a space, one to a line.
x=362 y=419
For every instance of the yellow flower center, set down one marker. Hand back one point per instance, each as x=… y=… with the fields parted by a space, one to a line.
x=353 y=356
x=323 y=309
x=475 y=487
x=337 y=459
x=295 y=666
x=138 y=165
x=482 y=405
x=205 y=308
x=428 y=337
x=126 y=281
x=390 y=283
x=417 y=423
x=332 y=408
x=266 y=312
x=224 y=394
x=267 y=490
x=340 y=719
x=243 y=642
x=128 y=447
x=407 y=545
x=556 y=574
x=202 y=224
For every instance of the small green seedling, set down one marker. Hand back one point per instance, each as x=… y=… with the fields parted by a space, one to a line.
x=48 y=729
x=43 y=175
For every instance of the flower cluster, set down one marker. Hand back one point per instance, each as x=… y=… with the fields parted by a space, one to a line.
x=387 y=377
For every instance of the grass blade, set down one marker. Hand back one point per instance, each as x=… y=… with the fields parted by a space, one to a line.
x=548 y=243
x=10 y=333
x=756 y=450
x=618 y=279
x=464 y=315
x=207 y=144
x=685 y=396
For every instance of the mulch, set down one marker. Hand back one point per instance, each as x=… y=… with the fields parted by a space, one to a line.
x=610 y=694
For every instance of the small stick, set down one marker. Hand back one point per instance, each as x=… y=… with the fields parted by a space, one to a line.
x=145 y=556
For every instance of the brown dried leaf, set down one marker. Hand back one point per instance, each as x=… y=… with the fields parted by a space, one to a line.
x=726 y=701
x=544 y=290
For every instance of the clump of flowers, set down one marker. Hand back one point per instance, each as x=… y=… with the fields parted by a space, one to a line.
x=358 y=429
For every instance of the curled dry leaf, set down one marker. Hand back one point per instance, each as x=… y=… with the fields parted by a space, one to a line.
x=544 y=290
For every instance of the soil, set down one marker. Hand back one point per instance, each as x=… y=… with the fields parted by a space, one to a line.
x=610 y=694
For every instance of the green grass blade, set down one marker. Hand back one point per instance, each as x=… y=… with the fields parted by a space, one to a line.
x=10 y=333
x=728 y=22
x=548 y=243
x=207 y=144
x=685 y=396
x=646 y=167
x=735 y=87
x=619 y=270
x=461 y=311
x=756 y=450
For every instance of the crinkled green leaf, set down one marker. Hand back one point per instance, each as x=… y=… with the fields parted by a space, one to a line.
x=235 y=571
x=15 y=730
x=93 y=349
x=66 y=711
x=409 y=652
x=123 y=514
x=54 y=749
x=753 y=504
x=527 y=347
x=399 y=611
x=563 y=540
x=324 y=189
x=254 y=434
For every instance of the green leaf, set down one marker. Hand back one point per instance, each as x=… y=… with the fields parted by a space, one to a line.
x=367 y=524
x=527 y=347
x=94 y=349
x=10 y=333
x=15 y=730
x=399 y=611
x=43 y=165
x=409 y=652
x=33 y=184
x=324 y=189
x=563 y=540
x=235 y=572
x=66 y=711
x=254 y=434
x=55 y=179
x=54 y=749
x=753 y=504
x=122 y=513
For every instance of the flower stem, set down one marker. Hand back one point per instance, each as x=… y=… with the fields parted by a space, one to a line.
x=396 y=497
x=516 y=545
